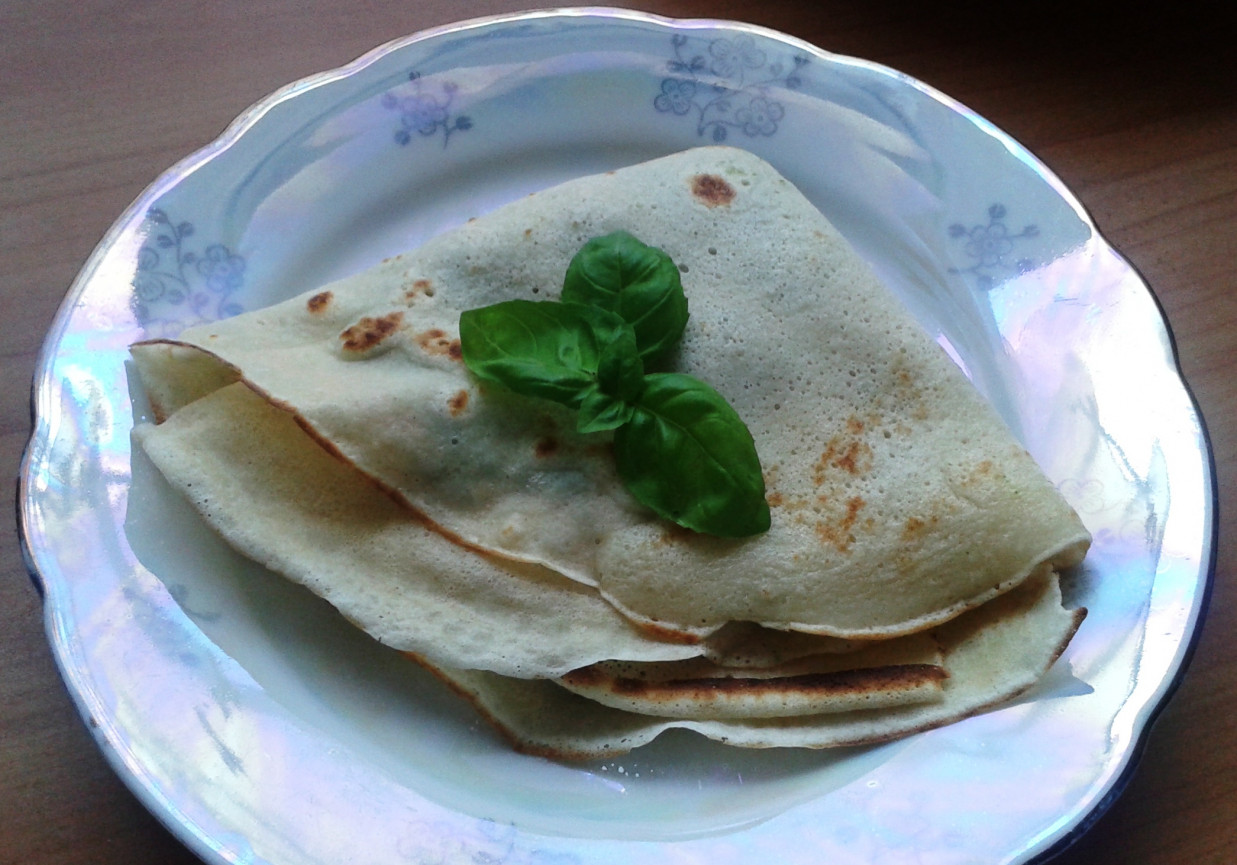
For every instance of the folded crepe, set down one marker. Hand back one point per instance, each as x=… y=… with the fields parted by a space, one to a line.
x=545 y=659
x=899 y=498
x=283 y=500
x=992 y=654
x=338 y=438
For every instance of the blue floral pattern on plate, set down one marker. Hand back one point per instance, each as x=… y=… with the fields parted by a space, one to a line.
x=728 y=84
x=990 y=245
x=175 y=285
x=426 y=112
x=165 y=679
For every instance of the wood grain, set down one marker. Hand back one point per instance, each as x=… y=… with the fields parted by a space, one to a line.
x=1136 y=111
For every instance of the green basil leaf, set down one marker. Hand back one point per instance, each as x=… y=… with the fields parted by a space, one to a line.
x=540 y=348
x=680 y=448
x=640 y=283
x=620 y=372
x=687 y=454
x=599 y=411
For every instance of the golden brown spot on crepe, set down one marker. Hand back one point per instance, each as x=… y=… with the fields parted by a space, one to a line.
x=369 y=332
x=775 y=499
x=856 y=452
x=319 y=301
x=590 y=675
x=838 y=530
x=436 y=342
x=546 y=447
x=869 y=680
x=528 y=232
x=458 y=403
x=908 y=392
x=797 y=504
x=712 y=191
x=418 y=288
x=978 y=474
x=915 y=528
x=666 y=634
x=853 y=456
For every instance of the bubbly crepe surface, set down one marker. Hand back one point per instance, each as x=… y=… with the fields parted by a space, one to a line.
x=338 y=438
x=898 y=497
x=289 y=504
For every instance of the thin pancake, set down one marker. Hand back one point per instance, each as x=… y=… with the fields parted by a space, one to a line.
x=287 y=503
x=276 y=495
x=992 y=654
x=899 y=498
x=890 y=673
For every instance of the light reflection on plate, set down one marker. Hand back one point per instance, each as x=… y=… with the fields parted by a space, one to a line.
x=262 y=728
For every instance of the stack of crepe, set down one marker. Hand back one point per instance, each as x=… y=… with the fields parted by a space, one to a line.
x=909 y=578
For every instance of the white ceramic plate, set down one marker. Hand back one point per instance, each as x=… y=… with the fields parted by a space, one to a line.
x=262 y=729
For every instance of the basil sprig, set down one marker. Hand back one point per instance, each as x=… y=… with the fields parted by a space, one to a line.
x=680 y=448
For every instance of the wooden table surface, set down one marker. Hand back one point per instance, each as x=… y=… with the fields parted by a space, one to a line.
x=1136 y=111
